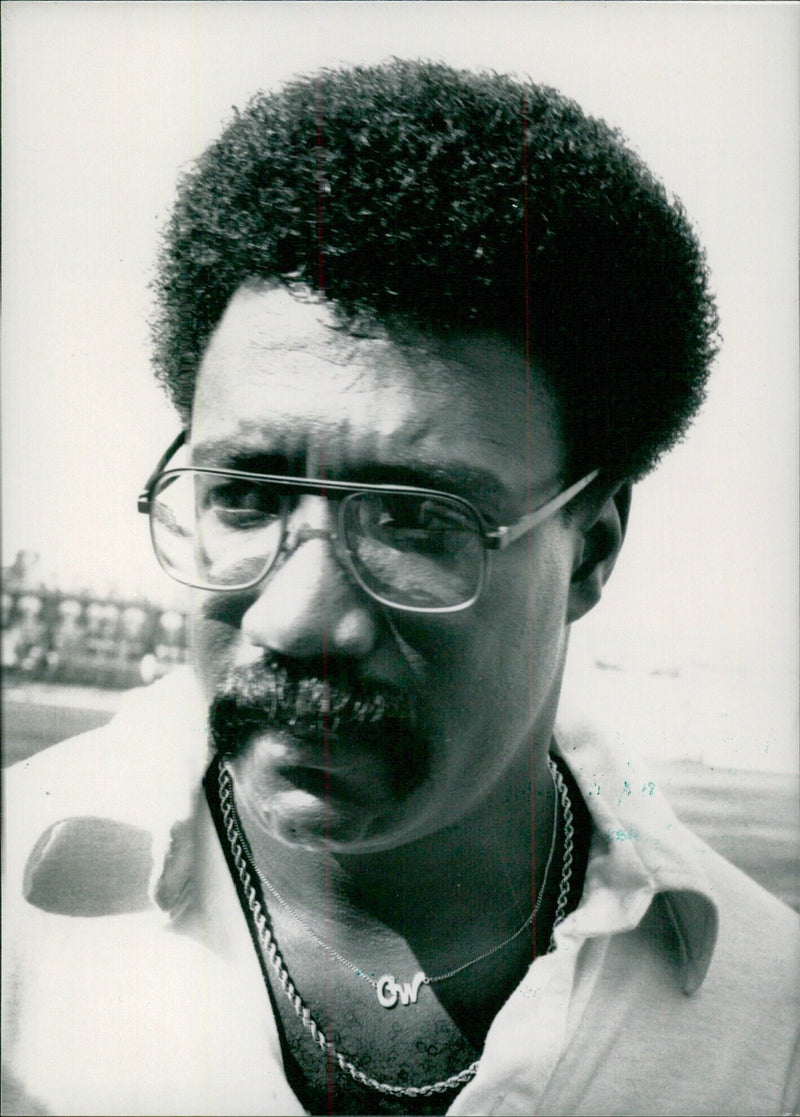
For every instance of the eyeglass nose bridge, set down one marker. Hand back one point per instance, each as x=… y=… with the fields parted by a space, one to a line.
x=295 y=537
x=292 y=540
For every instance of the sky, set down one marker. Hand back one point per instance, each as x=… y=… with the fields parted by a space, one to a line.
x=105 y=104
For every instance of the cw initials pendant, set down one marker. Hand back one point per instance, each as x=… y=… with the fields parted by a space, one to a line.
x=391 y=991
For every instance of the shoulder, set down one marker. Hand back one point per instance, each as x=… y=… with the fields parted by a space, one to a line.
x=758 y=944
x=730 y=1043
x=695 y=1007
x=75 y=809
x=84 y=824
x=648 y=1042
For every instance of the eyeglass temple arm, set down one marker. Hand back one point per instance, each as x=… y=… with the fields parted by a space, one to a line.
x=502 y=537
x=145 y=496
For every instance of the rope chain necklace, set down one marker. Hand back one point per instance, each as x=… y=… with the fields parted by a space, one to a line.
x=245 y=867
x=391 y=992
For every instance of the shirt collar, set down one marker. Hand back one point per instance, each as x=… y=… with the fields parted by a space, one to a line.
x=639 y=851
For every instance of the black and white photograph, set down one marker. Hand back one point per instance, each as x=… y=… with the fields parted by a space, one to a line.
x=400 y=567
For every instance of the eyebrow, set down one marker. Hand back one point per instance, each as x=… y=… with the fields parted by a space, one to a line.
x=224 y=455
x=459 y=478
x=474 y=483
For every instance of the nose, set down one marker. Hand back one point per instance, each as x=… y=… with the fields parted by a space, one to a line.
x=308 y=606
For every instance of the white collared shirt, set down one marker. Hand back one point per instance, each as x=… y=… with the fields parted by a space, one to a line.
x=673 y=988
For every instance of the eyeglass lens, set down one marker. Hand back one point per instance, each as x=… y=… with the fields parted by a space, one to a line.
x=419 y=551
x=412 y=550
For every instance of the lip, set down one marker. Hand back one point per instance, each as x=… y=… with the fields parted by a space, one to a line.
x=317 y=781
x=291 y=752
x=323 y=740
x=353 y=785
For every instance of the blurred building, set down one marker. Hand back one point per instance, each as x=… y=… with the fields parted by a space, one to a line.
x=54 y=636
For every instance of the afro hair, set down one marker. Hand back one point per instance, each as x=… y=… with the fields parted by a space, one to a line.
x=455 y=200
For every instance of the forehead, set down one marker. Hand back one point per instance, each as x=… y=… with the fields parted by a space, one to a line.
x=283 y=377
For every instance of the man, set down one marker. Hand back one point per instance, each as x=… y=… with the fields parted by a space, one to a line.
x=423 y=330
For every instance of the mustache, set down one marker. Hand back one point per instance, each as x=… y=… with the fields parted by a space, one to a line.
x=312 y=704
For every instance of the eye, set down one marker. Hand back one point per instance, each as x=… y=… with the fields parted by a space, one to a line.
x=435 y=515
x=421 y=514
x=409 y=523
x=240 y=504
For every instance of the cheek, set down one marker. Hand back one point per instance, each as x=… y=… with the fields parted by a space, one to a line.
x=214 y=637
x=534 y=588
x=493 y=662
x=544 y=629
x=500 y=659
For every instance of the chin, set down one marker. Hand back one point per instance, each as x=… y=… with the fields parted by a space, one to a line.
x=353 y=806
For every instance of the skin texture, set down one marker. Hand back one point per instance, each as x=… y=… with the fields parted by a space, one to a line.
x=283 y=382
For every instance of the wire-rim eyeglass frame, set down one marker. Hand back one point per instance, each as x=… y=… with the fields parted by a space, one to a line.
x=492 y=538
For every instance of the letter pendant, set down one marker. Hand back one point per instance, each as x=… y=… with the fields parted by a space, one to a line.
x=390 y=991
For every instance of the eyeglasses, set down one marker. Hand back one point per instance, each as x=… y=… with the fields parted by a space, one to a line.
x=417 y=550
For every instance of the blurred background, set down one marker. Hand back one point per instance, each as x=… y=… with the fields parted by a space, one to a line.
x=692 y=657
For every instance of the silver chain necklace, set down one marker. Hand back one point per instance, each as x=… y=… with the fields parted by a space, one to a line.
x=391 y=992
x=238 y=846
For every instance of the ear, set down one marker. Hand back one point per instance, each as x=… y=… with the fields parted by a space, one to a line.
x=601 y=533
